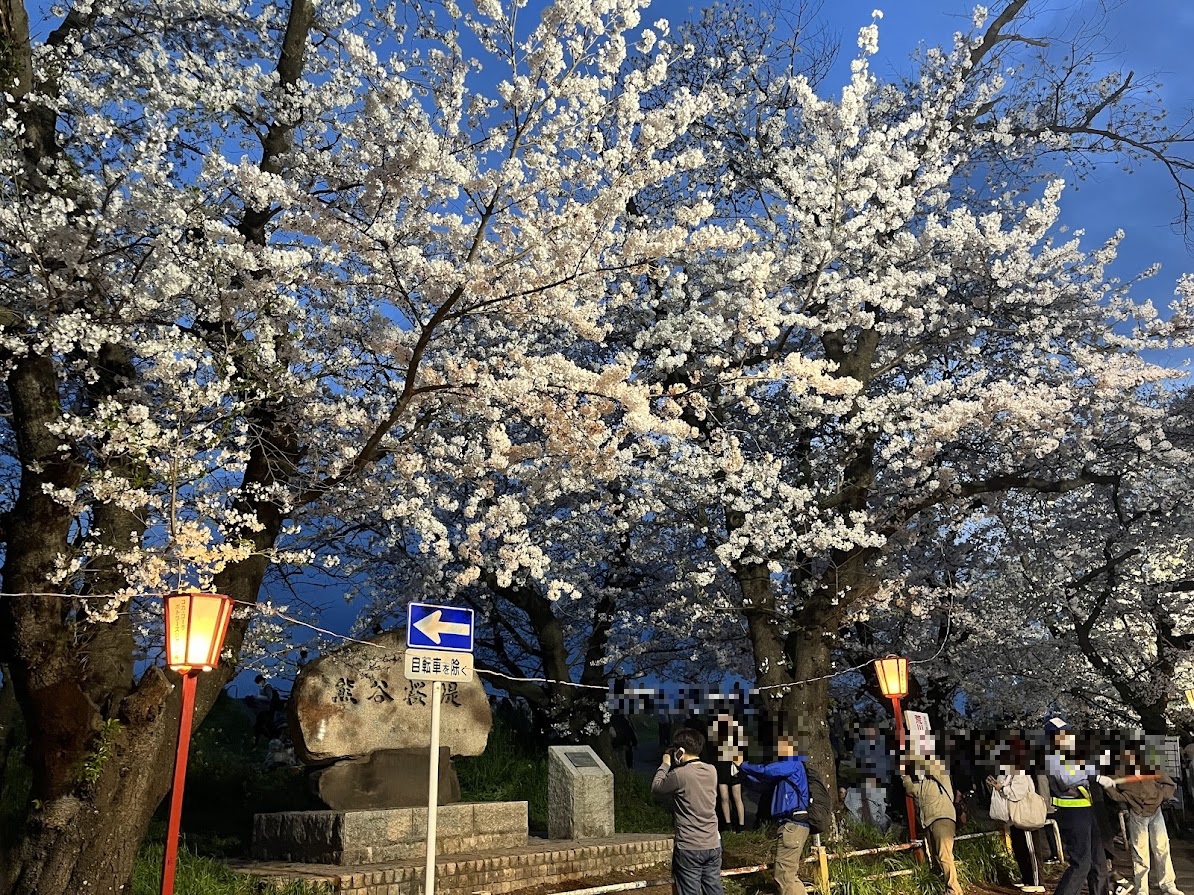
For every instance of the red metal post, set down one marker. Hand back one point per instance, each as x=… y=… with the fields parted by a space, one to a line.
x=909 y=804
x=170 y=858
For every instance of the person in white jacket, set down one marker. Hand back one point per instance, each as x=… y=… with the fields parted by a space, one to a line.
x=1016 y=785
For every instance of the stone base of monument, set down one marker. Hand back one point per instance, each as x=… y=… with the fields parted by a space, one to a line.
x=562 y=864
x=390 y=834
x=387 y=778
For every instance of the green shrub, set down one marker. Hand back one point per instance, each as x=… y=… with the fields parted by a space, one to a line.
x=226 y=784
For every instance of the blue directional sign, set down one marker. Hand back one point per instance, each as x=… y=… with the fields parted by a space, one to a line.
x=439 y=627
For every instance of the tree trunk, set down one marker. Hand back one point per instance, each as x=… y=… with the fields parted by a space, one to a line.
x=14 y=774
x=1152 y=717
x=99 y=747
x=807 y=706
x=781 y=657
x=99 y=770
x=85 y=839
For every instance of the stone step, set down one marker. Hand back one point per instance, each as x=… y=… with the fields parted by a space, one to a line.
x=387 y=834
x=500 y=871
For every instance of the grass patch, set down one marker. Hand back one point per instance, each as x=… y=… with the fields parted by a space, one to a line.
x=196 y=875
x=985 y=860
x=855 y=835
x=980 y=862
x=747 y=848
x=635 y=809
x=505 y=773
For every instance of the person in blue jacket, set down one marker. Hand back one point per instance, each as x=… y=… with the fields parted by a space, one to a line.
x=789 y=809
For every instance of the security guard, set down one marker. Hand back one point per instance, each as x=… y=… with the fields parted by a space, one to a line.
x=1069 y=788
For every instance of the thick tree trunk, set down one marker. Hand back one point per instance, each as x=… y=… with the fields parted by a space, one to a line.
x=1152 y=717
x=783 y=656
x=99 y=747
x=807 y=706
x=100 y=759
x=85 y=839
x=14 y=774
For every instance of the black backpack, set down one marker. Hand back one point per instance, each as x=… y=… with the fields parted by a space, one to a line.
x=820 y=806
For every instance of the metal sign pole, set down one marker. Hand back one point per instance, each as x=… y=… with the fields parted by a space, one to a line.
x=432 y=788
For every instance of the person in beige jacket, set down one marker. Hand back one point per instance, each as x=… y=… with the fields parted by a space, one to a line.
x=927 y=781
x=1144 y=790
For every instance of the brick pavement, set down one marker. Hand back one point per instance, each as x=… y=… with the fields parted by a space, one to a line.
x=541 y=862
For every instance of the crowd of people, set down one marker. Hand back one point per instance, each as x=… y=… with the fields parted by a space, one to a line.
x=1059 y=792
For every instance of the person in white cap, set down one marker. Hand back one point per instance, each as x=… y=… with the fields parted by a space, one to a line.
x=1069 y=788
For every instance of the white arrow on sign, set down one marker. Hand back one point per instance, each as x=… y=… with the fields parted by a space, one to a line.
x=434 y=627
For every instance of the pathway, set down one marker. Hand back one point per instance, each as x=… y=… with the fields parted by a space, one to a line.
x=1183 y=864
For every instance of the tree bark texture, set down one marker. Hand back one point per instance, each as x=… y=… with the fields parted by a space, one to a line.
x=100 y=743
x=783 y=656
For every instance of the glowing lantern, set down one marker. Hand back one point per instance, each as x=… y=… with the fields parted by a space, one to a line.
x=195 y=629
x=893 y=676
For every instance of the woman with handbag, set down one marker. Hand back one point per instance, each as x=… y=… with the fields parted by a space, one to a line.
x=1015 y=802
x=1009 y=789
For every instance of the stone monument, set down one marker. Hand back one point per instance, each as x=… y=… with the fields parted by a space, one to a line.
x=580 y=794
x=364 y=729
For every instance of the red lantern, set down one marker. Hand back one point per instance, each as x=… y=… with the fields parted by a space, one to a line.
x=195 y=629
x=893 y=676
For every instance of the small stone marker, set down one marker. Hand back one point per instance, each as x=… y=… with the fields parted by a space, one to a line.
x=357 y=700
x=580 y=794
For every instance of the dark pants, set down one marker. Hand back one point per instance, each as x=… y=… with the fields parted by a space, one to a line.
x=1024 y=851
x=1083 y=844
x=696 y=872
x=1045 y=840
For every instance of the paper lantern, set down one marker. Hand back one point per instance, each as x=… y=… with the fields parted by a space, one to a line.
x=893 y=676
x=195 y=629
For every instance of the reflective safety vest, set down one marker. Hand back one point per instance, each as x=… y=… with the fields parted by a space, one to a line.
x=1081 y=800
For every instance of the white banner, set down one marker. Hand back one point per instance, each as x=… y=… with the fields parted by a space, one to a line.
x=920 y=738
x=438 y=665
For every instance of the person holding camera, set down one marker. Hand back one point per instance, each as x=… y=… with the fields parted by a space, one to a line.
x=691 y=786
x=790 y=803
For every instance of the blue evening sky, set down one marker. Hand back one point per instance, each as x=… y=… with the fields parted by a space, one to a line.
x=1151 y=37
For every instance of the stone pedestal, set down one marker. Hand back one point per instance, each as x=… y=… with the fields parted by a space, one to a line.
x=389 y=778
x=397 y=834
x=580 y=794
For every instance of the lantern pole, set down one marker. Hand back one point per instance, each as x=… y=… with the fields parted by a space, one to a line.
x=196 y=625
x=190 y=681
x=892 y=672
x=909 y=803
